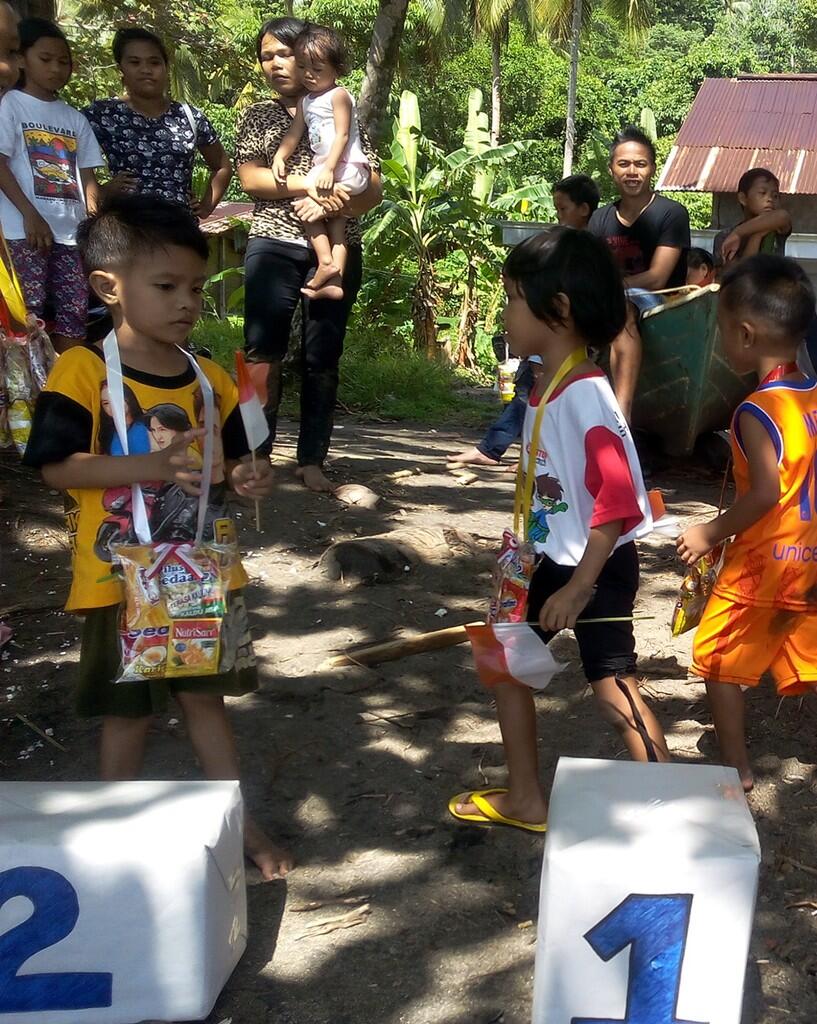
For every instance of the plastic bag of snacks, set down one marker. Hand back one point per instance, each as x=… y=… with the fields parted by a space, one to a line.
x=26 y=358
x=175 y=594
x=175 y=603
x=514 y=570
x=695 y=589
x=25 y=362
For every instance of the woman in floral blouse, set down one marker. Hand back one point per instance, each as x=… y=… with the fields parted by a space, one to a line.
x=279 y=261
x=150 y=141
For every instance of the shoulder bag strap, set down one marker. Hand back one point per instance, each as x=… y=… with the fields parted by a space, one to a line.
x=525 y=478
x=116 y=393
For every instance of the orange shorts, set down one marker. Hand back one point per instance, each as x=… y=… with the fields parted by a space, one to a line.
x=738 y=643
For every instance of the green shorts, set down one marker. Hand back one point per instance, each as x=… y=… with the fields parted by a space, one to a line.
x=100 y=659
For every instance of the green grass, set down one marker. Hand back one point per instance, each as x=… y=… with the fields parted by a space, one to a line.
x=383 y=381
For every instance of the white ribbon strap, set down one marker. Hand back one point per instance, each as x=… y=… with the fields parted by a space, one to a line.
x=116 y=394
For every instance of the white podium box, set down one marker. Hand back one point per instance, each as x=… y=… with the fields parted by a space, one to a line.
x=648 y=892
x=119 y=902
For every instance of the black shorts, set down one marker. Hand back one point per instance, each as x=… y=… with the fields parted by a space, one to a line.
x=606 y=648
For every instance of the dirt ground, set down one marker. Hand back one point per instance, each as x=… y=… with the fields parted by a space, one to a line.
x=354 y=767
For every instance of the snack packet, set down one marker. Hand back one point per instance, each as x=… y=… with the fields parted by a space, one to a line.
x=175 y=602
x=514 y=570
x=41 y=356
x=18 y=424
x=696 y=587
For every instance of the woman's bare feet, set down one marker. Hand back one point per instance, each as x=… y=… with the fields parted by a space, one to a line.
x=271 y=860
x=532 y=808
x=314 y=478
x=472 y=457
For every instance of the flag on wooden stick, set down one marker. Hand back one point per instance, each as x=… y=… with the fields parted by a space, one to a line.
x=252 y=416
x=512 y=652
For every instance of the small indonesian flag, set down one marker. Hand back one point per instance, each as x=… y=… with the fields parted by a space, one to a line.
x=252 y=414
x=512 y=652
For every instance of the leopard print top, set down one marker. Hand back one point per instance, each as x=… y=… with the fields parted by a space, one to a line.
x=259 y=132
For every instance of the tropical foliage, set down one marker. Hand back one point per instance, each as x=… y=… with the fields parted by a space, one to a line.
x=452 y=168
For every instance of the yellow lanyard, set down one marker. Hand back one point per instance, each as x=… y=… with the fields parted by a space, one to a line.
x=526 y=480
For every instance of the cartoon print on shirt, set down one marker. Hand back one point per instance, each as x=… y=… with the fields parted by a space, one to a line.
x=53 y=161
x=549 y=491
x=172 y=513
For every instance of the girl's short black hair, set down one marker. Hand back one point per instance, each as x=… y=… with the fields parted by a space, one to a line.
x=321 y=43
x=579 y=188
x=633 y=134
x=773 y=288
x=285 y=29
x=136 y=35
x=574 y=263
x=127 y=226
x=33 y=29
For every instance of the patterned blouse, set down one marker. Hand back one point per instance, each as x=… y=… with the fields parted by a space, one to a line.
x=158 y=151
x=259 y=132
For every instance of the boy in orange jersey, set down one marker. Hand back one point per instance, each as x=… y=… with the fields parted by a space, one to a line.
x=762 y=615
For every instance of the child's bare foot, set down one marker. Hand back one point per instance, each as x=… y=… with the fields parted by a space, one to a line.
x=314 y=478
x=747 y=779
x=271 y=860
x=331 y=292
x=325 y=273
x=532 y=809
x=472 y=457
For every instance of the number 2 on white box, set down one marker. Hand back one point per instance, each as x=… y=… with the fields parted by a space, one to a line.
x=56 y=910
x=655 y=928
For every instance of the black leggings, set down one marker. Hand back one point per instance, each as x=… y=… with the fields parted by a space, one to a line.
x=275 y=272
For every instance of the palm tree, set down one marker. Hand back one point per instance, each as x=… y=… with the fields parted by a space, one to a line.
x=489 y=19
x=565 y=20
x=387 y=34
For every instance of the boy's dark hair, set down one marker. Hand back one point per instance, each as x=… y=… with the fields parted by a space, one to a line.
x=774 y=288
x=748 y=178
x=285 y=29
x=578 y=265
x=633 y=134
x=700 y=258
x=321 y=43
x=136 y=35
x=127 y=226
x=580 y=188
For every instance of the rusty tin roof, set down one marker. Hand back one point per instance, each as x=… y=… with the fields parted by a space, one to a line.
x=750 y=121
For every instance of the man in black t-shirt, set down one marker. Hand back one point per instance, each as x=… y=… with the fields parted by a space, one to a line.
x=649 y=237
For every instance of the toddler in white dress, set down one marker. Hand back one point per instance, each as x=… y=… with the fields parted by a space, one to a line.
x=328 y=113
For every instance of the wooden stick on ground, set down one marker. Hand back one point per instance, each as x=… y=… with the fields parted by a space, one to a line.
x=402 y=648
x=35 y=728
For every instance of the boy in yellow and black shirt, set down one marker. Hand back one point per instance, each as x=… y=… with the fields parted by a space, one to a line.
x=147 y=263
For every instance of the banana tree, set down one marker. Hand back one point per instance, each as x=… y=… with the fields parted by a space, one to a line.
x=566 y=20
x=437 y=204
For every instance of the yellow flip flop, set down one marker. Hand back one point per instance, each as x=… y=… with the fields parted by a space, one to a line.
x=488 y=815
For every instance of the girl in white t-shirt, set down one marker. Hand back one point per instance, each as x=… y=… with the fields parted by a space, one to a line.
x=564 y=293
x=328 y=113
x=47 y=158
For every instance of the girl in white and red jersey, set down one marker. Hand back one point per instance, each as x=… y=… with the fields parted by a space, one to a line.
x=563 y=294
